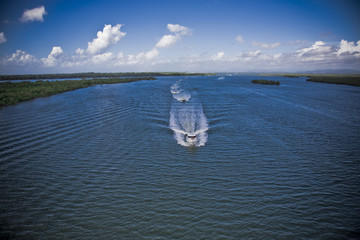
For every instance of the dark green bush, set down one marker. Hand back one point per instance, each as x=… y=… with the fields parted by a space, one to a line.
x=266 y=82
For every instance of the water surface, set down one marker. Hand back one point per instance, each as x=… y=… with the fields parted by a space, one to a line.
x=112 y=161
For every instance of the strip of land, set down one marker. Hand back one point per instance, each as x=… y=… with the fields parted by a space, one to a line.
x=347 y=79
x=96 y=75
x=15 y=92
x=265 y=82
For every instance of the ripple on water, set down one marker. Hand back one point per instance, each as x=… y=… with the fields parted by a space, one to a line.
x=102 y=162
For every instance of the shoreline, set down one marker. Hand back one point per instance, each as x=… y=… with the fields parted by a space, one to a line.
x=94 y=75
x=15 y=92
x=344 y=79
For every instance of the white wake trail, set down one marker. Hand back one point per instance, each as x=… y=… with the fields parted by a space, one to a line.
x=187 y=118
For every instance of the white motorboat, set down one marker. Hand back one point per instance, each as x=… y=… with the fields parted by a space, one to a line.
x=191 y=139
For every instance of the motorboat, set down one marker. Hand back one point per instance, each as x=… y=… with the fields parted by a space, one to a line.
x=191 y=138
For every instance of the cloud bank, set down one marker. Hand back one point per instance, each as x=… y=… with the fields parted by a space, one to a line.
x=98 y=57
x=266 y=45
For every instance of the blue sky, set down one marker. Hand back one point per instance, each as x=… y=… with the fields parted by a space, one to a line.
x=53 y=36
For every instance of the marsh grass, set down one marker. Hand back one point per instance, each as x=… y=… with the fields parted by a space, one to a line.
x=15 y=92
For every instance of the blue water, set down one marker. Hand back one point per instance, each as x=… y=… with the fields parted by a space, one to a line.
x=113 y=162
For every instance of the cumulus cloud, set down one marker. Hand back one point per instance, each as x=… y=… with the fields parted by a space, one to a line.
x=109 y=35
x=151 y=54
x=20 y=58
x=266 y=45
x=167 y=41
x=35 y=14
x=248 y=56
x=79 y=51
x=178 y=29
x=218 y=56
x=2 y=37
x=52 y=58
x=349 y=48
x=318 y=48
x=239 y=38
x=170 y=39
x=104 y=57
x=132 y=59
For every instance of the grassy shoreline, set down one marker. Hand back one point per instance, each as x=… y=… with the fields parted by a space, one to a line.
x=15 y=92
x=346 y=79
x=96 y=75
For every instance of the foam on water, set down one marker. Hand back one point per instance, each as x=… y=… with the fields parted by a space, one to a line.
x=187 y=118
x=179 y=92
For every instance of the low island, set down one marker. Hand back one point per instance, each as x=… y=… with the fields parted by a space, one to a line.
x=346 y=79
x=266 y=82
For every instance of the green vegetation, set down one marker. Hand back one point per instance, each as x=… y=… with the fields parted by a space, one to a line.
x=14 y=92
x=348 y=79
x=353 y=81
x=97 y=75
x=266 y=82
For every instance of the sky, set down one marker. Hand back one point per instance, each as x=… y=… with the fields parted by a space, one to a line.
x=66 y=36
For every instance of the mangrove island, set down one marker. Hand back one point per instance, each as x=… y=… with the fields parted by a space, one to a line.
x=266 y=82
x=346 y=79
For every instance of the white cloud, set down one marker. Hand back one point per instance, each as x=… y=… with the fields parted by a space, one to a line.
x=2 y=37
x=140 y=58
x=79 y=51
x=104 y=57
x=120 y=55
x=218 y=56
x=259 y=58
x=278 y=55
x=167 y=41
x=171 y=39
x=35 y=14
x=266 y=45
x=239 y=38
x=349 y=48
x=109 y=35
x=20 y=58
x=52 y=59
x=318 y=48
x=178 y=29
x=152 y=54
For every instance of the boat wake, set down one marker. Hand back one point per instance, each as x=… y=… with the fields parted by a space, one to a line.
x=179 y=93
x=187 y=120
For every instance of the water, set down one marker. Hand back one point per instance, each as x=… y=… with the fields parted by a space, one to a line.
x=112 y=161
